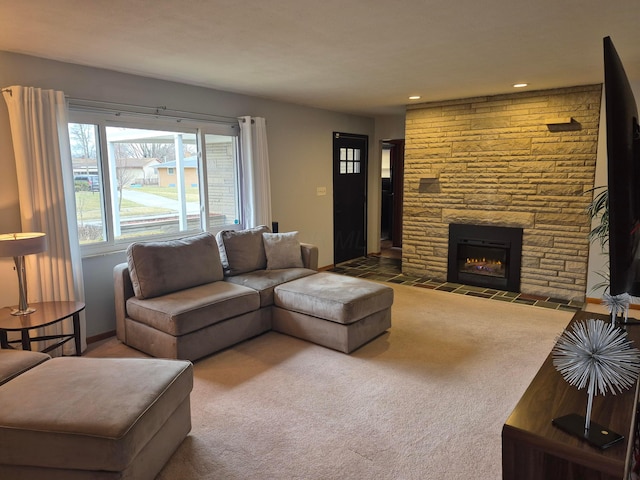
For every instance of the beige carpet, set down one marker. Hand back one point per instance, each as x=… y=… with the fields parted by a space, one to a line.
x=427 y=400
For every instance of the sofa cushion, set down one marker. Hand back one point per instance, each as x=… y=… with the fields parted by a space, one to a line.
x=334 y=297
x=186 y=311
x=89 y=413
x=15 y=362
x=282 y=250
x=242 y=251
x=264 y=281
x=157 y=268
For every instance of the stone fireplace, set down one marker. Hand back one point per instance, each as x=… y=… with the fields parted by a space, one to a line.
x=504 y=161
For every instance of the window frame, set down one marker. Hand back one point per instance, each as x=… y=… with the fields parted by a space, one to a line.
x=141 y=121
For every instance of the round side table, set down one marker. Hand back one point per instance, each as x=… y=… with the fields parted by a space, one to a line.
x=47 y=313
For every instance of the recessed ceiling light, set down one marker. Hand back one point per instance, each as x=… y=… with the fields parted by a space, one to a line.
x=520 y=85
x=414 y=97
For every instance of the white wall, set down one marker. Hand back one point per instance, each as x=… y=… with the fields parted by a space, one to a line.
x=300 y=152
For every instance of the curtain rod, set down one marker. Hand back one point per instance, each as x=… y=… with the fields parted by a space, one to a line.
x=159 y=111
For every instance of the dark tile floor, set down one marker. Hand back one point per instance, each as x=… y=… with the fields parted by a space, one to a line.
x=387 y=269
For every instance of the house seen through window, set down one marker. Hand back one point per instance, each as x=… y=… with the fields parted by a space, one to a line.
x=135 y=182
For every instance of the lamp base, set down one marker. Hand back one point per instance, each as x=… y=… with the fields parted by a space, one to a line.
x=26 y=311
x=597 y=435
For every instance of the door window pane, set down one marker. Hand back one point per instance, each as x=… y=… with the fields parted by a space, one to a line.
x=349 y=160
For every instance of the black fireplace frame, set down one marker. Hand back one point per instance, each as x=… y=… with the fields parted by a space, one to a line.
x=509 y=238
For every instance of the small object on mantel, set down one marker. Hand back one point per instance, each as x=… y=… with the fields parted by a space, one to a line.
x=559 y=121
x=562 y=124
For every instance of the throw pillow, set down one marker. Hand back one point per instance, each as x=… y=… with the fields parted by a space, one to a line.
x=282 y=250
x=242 y=251
x=160 y=267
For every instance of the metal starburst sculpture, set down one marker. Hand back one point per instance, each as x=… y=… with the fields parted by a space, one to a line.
x=599 y=356
x=617 y=304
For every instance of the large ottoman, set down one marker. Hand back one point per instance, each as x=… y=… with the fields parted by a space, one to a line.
x=94 y=418
x=335 y=311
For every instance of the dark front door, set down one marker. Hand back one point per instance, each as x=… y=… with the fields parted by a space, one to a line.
x=350 y=155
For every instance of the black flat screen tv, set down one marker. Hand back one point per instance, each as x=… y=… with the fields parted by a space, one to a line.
x=623 y=171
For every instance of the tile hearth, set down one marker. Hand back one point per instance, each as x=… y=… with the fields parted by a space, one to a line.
x=386 y=269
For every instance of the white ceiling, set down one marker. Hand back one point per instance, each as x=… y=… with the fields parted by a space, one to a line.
x=360 y=56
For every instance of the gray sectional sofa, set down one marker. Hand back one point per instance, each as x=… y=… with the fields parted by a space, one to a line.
x=191 y=297
x=122 y=418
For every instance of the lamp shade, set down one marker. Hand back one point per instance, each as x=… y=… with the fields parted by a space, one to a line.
x=20 y=244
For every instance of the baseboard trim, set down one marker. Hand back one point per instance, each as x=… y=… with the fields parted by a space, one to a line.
x=101 y=336
x=598 y=301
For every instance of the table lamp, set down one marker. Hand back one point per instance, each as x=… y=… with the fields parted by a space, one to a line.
x=17 y=245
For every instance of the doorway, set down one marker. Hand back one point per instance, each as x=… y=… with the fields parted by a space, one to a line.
x=350 y=158
x=392 y=178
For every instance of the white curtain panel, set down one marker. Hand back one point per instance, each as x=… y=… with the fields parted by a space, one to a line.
x=40 y=136
x=256 y=180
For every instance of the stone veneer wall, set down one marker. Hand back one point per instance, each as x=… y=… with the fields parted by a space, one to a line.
x=495 y=161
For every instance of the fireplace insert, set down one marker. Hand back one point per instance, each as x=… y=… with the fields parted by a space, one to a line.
x=485 y=256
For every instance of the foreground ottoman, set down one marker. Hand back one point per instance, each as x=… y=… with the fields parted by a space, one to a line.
x=94 y=418
x=335 y=311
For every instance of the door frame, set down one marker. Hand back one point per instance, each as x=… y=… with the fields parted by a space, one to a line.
x=365 y=173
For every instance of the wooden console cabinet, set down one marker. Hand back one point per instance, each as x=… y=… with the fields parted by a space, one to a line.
x=534 y=449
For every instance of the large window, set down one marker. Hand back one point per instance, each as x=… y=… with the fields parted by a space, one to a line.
x=141 y=180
